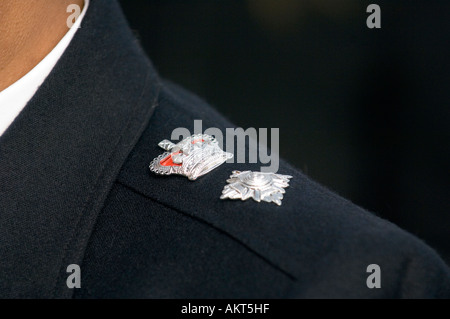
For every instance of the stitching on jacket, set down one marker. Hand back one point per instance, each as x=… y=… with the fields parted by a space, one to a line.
x=90 y=200
x=220 y=230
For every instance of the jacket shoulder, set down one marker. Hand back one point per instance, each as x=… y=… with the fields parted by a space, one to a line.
x=320 y=240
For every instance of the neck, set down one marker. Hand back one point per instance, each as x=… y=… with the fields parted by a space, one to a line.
x=29 y=31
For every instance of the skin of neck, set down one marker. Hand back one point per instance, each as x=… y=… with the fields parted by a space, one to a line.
x=29 y=30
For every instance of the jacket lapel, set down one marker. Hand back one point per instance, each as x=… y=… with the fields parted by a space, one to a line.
x=59 y=158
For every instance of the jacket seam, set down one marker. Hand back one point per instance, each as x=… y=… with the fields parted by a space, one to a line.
x=218 y=229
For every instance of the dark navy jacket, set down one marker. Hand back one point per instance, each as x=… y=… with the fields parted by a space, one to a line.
x=75 y=188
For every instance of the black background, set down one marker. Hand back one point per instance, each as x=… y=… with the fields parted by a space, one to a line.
x=363 y=111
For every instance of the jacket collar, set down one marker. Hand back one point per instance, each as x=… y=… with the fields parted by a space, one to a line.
x=60 y=157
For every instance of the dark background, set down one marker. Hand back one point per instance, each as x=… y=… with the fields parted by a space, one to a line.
x=363 y=111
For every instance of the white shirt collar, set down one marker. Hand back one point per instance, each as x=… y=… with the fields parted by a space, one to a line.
x=14 y=98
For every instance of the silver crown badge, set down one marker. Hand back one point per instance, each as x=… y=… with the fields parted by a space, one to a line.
x=193 y=157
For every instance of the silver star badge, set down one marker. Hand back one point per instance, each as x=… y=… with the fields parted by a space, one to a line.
x=268 y=187
x=193 y=157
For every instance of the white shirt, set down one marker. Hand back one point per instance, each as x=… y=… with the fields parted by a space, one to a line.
x=14 y=98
